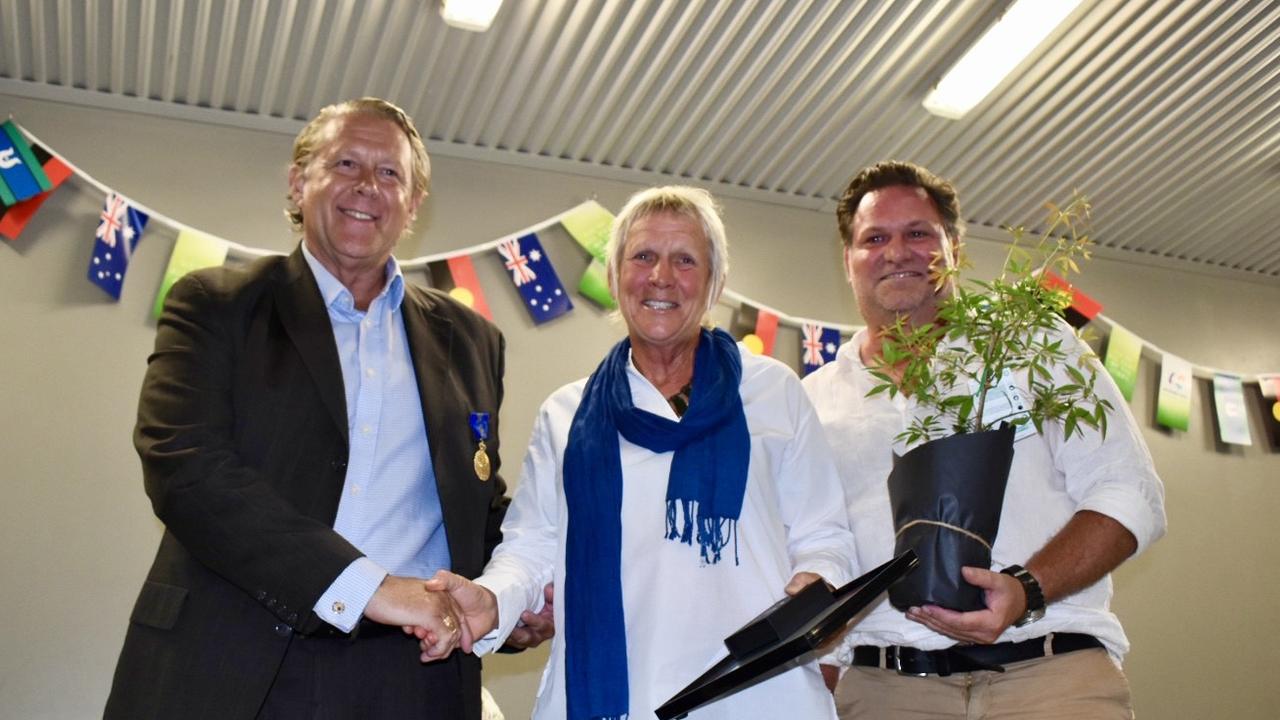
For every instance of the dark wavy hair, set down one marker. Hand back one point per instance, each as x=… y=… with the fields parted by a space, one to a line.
x=889 y=174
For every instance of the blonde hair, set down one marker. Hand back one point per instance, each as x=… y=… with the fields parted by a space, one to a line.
x=695 y=204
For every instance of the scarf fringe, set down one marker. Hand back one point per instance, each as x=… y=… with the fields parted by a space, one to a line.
x=714 y=533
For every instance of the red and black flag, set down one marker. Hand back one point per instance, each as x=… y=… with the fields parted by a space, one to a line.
x=1082 y=308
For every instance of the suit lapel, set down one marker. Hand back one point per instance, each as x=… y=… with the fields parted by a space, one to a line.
x=431 y=344
x=303 y=315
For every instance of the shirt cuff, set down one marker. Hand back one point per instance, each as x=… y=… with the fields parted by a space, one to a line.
x=512 y=600
x=1134 y=507
x=343 y=603
x=834 y=572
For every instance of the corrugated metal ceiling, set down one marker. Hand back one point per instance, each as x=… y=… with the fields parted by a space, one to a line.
x=1164 y=112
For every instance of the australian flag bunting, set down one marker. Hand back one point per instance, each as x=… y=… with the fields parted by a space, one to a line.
x=817 y=346
x=119 y=228
x=531 y=271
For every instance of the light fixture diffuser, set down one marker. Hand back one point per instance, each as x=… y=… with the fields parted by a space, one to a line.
x=1005 y=44
x=473 y=15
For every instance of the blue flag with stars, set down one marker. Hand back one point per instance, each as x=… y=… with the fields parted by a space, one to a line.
x=119 y=228
x=531 y=271
x=818 y=346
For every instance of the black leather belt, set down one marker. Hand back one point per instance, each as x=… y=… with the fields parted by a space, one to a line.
x=969 y=658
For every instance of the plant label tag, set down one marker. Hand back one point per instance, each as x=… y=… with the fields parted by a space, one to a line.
x=1006 y=403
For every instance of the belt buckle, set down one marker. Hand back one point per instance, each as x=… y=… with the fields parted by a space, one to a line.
x=897 y=664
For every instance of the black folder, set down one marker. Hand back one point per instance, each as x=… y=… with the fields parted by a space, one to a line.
x=772 y=642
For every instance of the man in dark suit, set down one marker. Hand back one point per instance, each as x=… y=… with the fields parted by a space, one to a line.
x=318 y=436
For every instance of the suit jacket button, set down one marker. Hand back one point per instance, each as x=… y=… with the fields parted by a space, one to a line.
x=262 y=595
x=282 y=630
x=292 y=619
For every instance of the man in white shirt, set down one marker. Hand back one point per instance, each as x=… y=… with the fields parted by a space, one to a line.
x=1073 y=510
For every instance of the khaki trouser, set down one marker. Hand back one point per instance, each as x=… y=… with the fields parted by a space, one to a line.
x=1080 y=685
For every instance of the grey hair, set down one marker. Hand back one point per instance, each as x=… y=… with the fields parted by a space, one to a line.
x=695 y=204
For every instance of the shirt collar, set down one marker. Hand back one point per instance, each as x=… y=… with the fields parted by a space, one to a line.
x=338 y=298
x=850 y=352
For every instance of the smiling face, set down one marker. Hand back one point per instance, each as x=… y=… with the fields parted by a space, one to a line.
x=663 y=281
x=356 y=194
x=895 y=235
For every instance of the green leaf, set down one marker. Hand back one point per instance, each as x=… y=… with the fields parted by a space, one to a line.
x=1069 y=427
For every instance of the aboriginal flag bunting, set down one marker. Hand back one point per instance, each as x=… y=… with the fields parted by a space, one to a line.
x=457 y=276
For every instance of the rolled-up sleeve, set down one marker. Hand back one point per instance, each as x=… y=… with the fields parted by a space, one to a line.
x=1112 y=475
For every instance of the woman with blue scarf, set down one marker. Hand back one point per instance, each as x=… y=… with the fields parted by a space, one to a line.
x=670 y=497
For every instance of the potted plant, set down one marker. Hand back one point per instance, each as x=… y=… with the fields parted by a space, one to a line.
x=979 y=374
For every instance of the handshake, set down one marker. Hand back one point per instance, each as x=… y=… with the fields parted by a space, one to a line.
x=449 y=611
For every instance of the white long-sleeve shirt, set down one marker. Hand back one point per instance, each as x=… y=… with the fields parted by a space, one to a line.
x=678 y=610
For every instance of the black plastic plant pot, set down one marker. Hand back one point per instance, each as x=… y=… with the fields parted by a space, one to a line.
x=946 y=497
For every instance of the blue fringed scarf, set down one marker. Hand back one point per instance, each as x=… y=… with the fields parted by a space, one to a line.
x=704 y=498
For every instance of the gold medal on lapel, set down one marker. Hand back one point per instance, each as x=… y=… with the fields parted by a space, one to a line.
x=479 y=422
x=481 y=462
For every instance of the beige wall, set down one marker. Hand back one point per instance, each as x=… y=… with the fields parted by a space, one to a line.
x=78 y=533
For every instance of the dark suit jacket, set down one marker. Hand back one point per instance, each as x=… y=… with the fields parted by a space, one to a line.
x=242 y=431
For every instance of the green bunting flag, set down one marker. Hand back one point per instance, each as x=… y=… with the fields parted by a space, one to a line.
x=1173 y=407
x=590 y=224
x=594 y=285
x=193 y=250
x=1123 y=351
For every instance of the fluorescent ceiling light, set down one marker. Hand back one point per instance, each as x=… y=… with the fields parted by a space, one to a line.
x=1022 y=27
x=474 y=15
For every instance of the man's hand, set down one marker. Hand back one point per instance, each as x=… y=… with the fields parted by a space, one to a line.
x=535 y=628
x=1006 y=602
x=1088 y=547
x=407 y=602
x=477 y=607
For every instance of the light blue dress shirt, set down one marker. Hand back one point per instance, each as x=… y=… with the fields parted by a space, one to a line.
x=390 y=506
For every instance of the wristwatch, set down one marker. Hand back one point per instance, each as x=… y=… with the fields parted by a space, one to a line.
x=1035 y=595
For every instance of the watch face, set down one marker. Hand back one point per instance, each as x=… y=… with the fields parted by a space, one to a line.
x=1030 y=617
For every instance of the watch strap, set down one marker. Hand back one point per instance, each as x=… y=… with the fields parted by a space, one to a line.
x=1034 y=593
